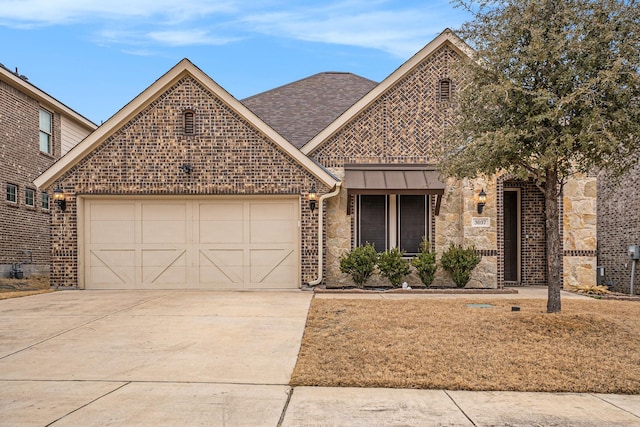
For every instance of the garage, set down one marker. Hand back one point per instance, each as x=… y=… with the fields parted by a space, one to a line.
x=195 y=243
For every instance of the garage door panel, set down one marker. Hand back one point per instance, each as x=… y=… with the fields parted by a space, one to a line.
x=221 y=266
x=271 y=232
x=271 y=211
x=109 y=231
x=220 y=211
x=213 y=232
x=112 y=267
x=272 y=266
x=120 y=211
x=164 y=266
x=164 y=232
x=164 y=223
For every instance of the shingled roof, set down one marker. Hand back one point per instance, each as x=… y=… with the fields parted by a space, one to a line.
x=300 y=110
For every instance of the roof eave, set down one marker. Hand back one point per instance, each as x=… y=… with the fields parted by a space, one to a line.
x=44 y=98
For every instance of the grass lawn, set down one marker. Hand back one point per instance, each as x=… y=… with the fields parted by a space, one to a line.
x=591 y=346
x=12 y=288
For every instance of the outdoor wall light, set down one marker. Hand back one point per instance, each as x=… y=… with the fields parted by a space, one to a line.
x=482 y=200
x=313 y=198
x=60 y=198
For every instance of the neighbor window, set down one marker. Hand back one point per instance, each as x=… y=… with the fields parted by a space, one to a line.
x=12 y=193
x=45 y=201
x=444 y=90
x=45 y=132
x=189 y=123
x=388 y=221
x=29 y=197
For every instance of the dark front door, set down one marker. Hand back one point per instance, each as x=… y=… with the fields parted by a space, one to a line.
x=511 y=237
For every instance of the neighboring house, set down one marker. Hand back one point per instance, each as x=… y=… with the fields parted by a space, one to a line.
x=188 y=187
x=35 y=130
x=619 y=228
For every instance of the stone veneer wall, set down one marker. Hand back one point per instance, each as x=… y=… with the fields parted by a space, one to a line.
x=228 y=155
x=618 y=210
x=580 y=231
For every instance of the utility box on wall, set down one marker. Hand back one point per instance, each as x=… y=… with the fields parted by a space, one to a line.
x=634 y=252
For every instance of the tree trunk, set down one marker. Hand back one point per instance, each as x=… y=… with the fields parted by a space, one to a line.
x=554 y=244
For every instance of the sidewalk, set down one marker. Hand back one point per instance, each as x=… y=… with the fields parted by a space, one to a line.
x=350 y=407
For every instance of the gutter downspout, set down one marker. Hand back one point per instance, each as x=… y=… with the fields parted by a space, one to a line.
x=320 y=248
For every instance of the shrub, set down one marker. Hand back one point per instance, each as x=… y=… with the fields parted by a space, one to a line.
x=425 y=263
x=359 y=263
x=393 y=266
x=460 y=262
x=590 y=289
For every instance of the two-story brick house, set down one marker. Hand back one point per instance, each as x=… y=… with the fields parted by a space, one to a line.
x=186 y=187
x=35 y=130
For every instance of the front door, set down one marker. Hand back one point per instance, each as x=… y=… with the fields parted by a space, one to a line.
x=511 y=236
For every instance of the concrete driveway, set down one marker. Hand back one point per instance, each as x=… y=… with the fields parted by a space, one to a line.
x=97 y=358
x=192 y=358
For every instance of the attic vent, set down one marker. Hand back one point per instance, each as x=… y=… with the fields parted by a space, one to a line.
x=444 y=90
x=189 y=123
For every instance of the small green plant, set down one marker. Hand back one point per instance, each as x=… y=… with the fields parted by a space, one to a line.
x=359 y=263
x=393 y=266
x=425 y=263
x=460 y=262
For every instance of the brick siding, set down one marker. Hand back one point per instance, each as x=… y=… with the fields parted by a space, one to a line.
x=533 y=267
x=401 y=126
x=24 y=230
x=618 y=228
x=228 y=155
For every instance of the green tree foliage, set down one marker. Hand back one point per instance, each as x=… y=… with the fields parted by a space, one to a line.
x=393 y=266
x=359 y=263
x=460 y=262
x=553 y=91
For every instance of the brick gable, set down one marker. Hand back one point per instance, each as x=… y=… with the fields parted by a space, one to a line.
x=402 y=125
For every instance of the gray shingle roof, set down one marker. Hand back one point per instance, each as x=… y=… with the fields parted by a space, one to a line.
x=300 y=110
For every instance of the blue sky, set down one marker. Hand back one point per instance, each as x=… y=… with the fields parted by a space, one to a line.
x=95 y=56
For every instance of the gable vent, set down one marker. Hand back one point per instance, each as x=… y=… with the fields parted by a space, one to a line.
x=444 y=90
x=189 y=123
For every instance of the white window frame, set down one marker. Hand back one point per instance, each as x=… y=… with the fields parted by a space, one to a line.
x=48 y=133
x=45 y=202
x=32 y=192
x=11 y=194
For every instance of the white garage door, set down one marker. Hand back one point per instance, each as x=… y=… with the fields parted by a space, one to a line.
x=191 y=244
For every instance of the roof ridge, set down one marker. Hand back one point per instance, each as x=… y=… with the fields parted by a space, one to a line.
x=303 y=79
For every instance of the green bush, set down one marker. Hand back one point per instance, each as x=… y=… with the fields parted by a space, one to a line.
x=460 y=262
x=425 y=263
x=393 y=266
x=359 y=263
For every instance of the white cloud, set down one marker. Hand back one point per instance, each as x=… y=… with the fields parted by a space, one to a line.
x=401 y=32
x=189 y=38
x=52 y=12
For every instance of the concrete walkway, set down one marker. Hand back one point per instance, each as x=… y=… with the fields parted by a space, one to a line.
x=188 y=358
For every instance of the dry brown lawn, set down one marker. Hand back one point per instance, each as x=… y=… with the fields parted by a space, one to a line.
x=591 y=346
x=13 y=288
